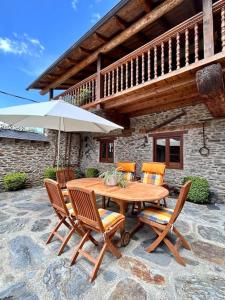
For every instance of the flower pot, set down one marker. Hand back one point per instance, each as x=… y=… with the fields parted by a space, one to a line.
x=111 y=181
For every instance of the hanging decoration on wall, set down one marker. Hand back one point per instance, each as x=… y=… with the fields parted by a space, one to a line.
x=88 y=147
x=204 y=151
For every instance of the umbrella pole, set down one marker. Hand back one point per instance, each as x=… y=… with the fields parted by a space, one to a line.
x=59 y=133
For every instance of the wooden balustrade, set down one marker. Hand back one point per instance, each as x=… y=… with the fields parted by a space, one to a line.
x=82 y=93
x=173 y=50
x=177 y=48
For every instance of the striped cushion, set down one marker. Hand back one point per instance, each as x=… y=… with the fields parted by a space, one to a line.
x=109 y=218
x=156 y=179
x=65 y=192
x=156 y=214
x=70 y=209
x=129 y=176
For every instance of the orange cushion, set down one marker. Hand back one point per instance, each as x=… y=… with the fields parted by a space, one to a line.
x=126 y=166
x=154 y=168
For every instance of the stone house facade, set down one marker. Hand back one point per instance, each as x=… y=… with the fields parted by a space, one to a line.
x=138 y=148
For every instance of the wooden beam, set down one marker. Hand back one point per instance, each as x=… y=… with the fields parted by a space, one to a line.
x=99 y=79
x=149 y=18
x=166 y=122
x=159 y=100
x=153 y=91
x=101 y=38
x=208 y=28
x=121 y=23
x=84 y=50
x=51 y=94
x=146 y=5
x=172 y=105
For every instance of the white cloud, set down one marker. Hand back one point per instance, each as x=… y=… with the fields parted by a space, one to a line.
x=21 y=45
x=95 y=17
x=74 y=4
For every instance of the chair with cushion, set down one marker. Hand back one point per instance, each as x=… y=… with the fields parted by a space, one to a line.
x=62 y=212
x=129 y=171
x=98 y=220
x=161 y=220
x=153 y=173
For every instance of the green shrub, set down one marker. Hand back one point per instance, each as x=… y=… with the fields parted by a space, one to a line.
x=91 y=172
x=50 y=172
x=199 y=191
x=15 y=181
x=78 y=173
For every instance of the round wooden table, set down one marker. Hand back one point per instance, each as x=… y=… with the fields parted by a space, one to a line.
x=133 y=192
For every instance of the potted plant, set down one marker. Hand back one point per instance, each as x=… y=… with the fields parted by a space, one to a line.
x=113 y=177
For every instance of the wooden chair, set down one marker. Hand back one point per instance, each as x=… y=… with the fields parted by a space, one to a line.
x=153 y=173
x=92 y=219
x=129 y=171
x=62 y=211
x=62 y=176
x=161 y=220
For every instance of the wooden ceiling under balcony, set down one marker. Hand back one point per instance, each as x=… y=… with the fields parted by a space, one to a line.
x=116 y=21
x=173 y=90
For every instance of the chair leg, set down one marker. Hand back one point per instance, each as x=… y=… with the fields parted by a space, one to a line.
x=172 y=248
x=81 y=244
x=164 y=202
x=67 y=238
x=113 y=249
x=55 y=229
x=161 y=236
x=174 y=251
x=185 y=244
x=98 y=263
x=103 y=202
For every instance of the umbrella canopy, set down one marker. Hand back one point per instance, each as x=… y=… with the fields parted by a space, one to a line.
x=56 y=114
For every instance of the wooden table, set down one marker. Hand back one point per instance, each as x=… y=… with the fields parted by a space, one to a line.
x=134 y=192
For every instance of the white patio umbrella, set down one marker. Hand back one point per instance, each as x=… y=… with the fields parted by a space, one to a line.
x=58 y=115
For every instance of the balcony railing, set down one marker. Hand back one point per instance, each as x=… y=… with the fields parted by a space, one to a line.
x=176 y=49
x=82 y=93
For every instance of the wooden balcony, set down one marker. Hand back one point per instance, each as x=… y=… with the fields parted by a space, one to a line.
x=158 y=76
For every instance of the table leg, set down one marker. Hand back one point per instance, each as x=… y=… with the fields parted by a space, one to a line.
x=103 y=202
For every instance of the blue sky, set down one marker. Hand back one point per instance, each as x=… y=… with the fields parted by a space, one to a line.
x=33 y=33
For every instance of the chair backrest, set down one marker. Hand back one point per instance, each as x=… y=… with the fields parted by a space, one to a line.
x=84 y=205
x=128 y=168
x=63 y=176
x=69 y=174
x=56 y=197
x=60 y=177
x=153 y=172
x=180 y=201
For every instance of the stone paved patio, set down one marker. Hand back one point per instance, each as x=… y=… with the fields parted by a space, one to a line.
x=31 y=270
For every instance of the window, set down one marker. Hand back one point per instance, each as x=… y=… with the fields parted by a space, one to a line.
x=168 y=148
x=106 y=151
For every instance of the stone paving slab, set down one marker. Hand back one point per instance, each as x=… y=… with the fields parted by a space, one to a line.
x=31 y=270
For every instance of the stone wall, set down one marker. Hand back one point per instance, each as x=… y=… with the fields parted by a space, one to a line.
x=134 y=148
x=33 y=157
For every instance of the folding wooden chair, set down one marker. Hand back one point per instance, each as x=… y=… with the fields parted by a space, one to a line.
x=161 y=220
x=62 y=176
x=153 y=173
x=63 y=213
x=99 y=220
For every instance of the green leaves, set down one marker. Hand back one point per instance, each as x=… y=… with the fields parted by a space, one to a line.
x=50 y=172
x=15 y=181
x=199 y=192
x=91 y=172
